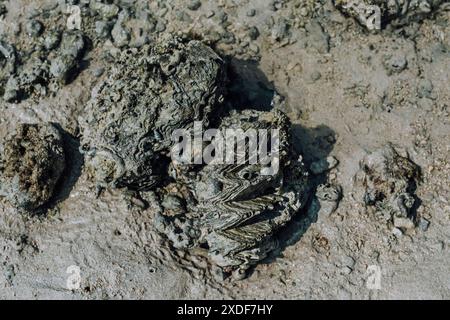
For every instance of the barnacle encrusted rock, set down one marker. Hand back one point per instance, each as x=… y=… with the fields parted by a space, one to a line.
x=389 y=180
x=148 y=94
x=374 y=14
x=31 y=165
x=235 y=210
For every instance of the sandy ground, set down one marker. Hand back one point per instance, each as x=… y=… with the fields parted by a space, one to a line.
x=343 y=102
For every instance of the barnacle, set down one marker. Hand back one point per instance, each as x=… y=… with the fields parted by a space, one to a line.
x=31 y=165
x=148 y=94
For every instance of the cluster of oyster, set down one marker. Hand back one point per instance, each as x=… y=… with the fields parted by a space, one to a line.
x=374 y=14
x=234 y=209
x=127 y=139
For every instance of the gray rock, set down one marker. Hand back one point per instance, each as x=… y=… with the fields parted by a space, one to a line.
x=425 y=89
x=389 y=180
x=395 y=63
x=31 y=165
x=424 y=224
x=120 y=35
x=52 y=40
x=323 y=165
x=103 y=29
x=34 y=28
x=329 y=196
x=251 y=13
x=194 y=5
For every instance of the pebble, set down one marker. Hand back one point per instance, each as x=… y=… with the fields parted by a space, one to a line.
x=329 y=196
x=403 y=223
x=174 y=203
x=346 y=270
x=424 y=224
x=98 y=72
x=160 y=26
x=395 y=63
x=251 y=13
x=253 y=33
x=120 y=36
x=106 y=11
x=61 y=66
x=316 y=75
x=194 y=5
x=348 y=261
x=425 y=89
x=52 y=40
x=103 y=29
x=397 y=232
x=323 y=165
x=34 y=28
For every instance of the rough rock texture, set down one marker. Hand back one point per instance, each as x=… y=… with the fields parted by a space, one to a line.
x=148 y=94
x=390 y=181
x=31 y=165
x=237 y=209
x=375 y=14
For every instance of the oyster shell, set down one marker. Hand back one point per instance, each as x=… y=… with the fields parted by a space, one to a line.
x=148 y=94
x=235 y=210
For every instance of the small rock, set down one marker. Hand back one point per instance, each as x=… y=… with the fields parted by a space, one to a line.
x=348 y=261
x=425 y=89
x=323 y=165
x=52 y=40
x=34 y=28
x=397 y=232
x=194 y=5
x=174 y=203
x=403 y=223
x=251 y=13
x=329 y=196
x=106 y=11
x=98 y=72
x=424 y=224
x=395 y=63
x=315 y=75
x=120 y=35
x=61 y=66
x=160 y=26
x=103 y=29
x=253 y=33
x=346 y=270
x=32 y=164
